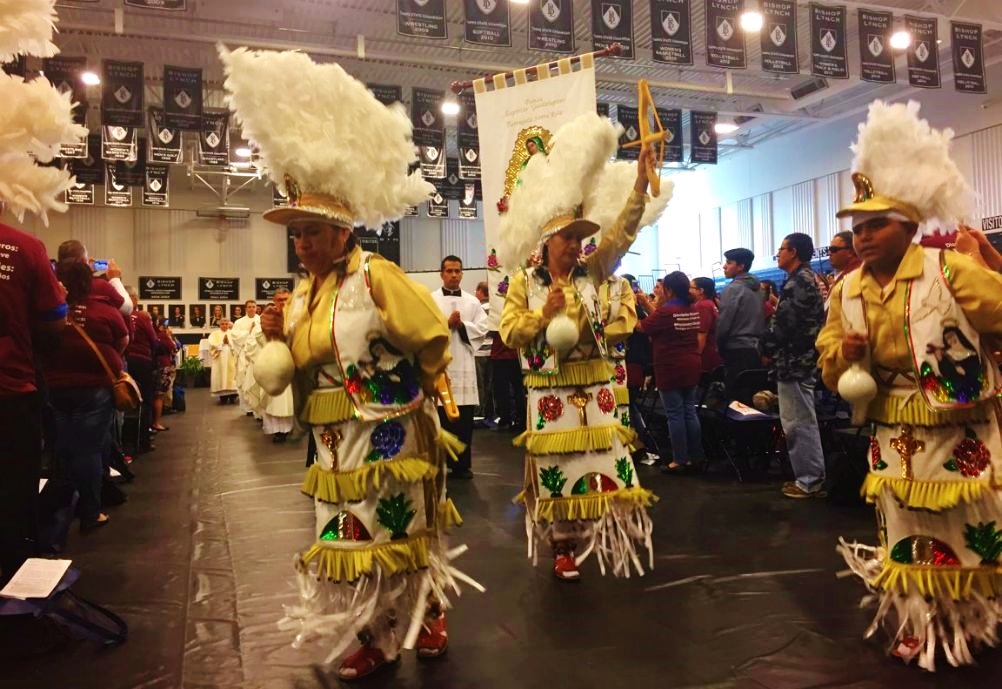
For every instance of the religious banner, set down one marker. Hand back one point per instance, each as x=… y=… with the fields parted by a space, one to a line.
x=18 y=67
x=122 y=94
x=214 y=138
x=183 y=97
x=80 y=194
x=157 y=288
x=488 y=22
x=89 y=170
x=829 y=58
x=778 y=39
x=387 y=95
x=703 y=137
x=438 y=206
x=612 y=22
x=265 y=288
x=628 y=117
x=725 y=41
x=876 y=61
x=421 y=18
x=119 y=143
x=218 y=289
x=923 y=53
x=130 y=172
x=115 y=193
x=176 y=5
x=551 y=25
x=468 y=137
x=671 y=120
x=468 y=205
x=671 y=31
x=164 y=143
x=968 y=58
x=156 y=185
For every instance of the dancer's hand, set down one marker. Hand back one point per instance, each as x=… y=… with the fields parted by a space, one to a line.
x=555 y=302
x=273 y=323
x=854 y=346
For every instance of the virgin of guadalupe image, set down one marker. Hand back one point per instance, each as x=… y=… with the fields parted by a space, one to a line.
x=529 y=142
x=958 y=364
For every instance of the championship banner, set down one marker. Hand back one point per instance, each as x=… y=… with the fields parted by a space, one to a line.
x=80 y=194
x=703 y=137
x=671 y=120
x=468 y=205
x=387 y=95
x=488 y=22
x=164 y=143
x=411 y=212
x=176 y=5
x=429 y=131
x=468 y=137
x=671 y=31
x=828 y=45
x=876 y=62
x=602 y=109
x=214 y=138
x=725 y=41
x=89 y=170
x=433 y=160
x=18 y=67
x=510 y=114
x=968 y=58
x=130 y=172
x=122 y=94
x=278 y=199
x=64 y=74
x=778 y=39
x=438 y=206
x=183 y=97
x=923 y=53
x=421 y=18
x=628 y=117
x=612 y=22
x=156 y=185
x=116 y=194
x=551 y=25
x=119 y=143
x=453 y=186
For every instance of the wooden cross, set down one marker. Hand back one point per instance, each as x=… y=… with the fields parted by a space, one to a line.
x=907 y=447
x=579 y=398
x=331 y=437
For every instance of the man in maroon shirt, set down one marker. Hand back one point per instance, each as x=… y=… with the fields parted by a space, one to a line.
x=32 y=315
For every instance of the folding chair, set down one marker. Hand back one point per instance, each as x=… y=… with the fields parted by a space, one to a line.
x=742 y=437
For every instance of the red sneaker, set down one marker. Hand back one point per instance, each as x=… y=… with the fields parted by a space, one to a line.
x=433 y=640
x=362 y=663
x=564 y=567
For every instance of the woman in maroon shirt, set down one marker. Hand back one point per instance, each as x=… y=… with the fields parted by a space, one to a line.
x=164 y=375
x=674 y=331
x=80 y=387
x=139 y=356
x=704 y=297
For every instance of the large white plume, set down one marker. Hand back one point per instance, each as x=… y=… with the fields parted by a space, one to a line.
x=26 y=28
x=555 y=184
x=28 y=187
x=606 y=198
x=322 y=127
x=908 y=160
x=35 y=118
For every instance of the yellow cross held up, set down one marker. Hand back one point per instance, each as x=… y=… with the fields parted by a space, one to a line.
x=650 y=137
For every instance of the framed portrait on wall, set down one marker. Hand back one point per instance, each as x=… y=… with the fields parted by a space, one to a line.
x=236 y=311
x=196 y=315
x=217 y=315
x=176 y=316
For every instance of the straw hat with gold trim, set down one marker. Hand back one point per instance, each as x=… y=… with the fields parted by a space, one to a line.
x=339 y=154
x=902 y=167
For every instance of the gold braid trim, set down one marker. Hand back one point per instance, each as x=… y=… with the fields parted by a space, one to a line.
x=339 y=486
x=622 y=396
x=326 y=407
x=592 y=507
x=956 y=582
x=888 y=410
x=574 y=440
x=573 y=374
x=348 y=564
x=924 y=495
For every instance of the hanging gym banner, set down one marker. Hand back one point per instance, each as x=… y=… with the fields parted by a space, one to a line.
x=119 y=143
x=64 y=73
x=18 y=67
x=421 y=18
x=876 y=62
x=551 y=25
x=703 y=137
x=429 y=131
x=175 y=5
x=468 y=137
x=89 y=170
x=778 y=39
x=80 y=194
x=468 y=204
x=829 y=58
x=164 y=143
x=183 y=97
x=156 y=186
x=438 y=206
x=968 y=58
x=671 y=31
x=612 y=22
x=214 y=138
x=628 y=117
x=116 y=194
x=130 y=172
x=387 y=95
x=488 y=22
x=671 y=120
x=725 y=41
x=923 y=53
x=602 y=109
x=122 y=94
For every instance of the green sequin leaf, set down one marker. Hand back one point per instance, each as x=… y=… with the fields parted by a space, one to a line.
x=394 y=514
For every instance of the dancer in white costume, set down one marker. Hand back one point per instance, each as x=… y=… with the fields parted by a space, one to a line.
x=935 y=453
x=367 y=346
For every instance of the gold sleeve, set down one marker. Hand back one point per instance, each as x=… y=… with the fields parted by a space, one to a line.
x=414 y=323
x=621 y=325
x=520 y=324
x=829 y=342
x=976 y=289
x=617 y=239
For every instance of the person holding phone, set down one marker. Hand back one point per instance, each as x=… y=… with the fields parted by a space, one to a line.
x=107 y=287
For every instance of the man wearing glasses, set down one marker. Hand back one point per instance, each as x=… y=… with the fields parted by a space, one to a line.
x=842 y=256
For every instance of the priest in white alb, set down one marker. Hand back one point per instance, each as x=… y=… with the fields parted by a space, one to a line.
x=223 y=381
x=240 y=334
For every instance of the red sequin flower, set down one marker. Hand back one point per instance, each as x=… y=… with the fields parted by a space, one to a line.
x=620 y=374
x=972 y=457
x=606 y=400
x=550 y=407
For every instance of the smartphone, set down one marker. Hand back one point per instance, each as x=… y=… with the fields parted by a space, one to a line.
x=100 y=265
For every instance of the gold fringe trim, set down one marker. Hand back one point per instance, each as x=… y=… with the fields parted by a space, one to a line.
x=519 y=499
x=592 y=507
x=956 y=582
x=450 y=444
x=925 y=495
x=327 y=406
x=622 y=395
x=573 y=374
x=339 y=486
x=448 y=515
x=888 y=410
x=348 y=564
x=574 y=440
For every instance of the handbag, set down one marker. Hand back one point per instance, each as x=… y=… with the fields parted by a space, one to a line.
x=124 y=389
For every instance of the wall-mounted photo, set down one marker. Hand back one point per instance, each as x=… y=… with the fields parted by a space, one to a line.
x=196 y=315
x=156 y=311
x=176 y=317
x=216 y=315
x=236 y=311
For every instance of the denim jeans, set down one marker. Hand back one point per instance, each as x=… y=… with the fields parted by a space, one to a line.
x=800 y=424
x=83 y=417
x=683 y=424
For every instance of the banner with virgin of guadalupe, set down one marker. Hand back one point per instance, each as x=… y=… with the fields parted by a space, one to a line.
x=516 y=119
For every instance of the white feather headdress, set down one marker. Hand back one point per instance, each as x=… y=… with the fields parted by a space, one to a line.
x=323 y=138
x=605 y=200
x=553 y=187
x=26 y=28
x=902 y=164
